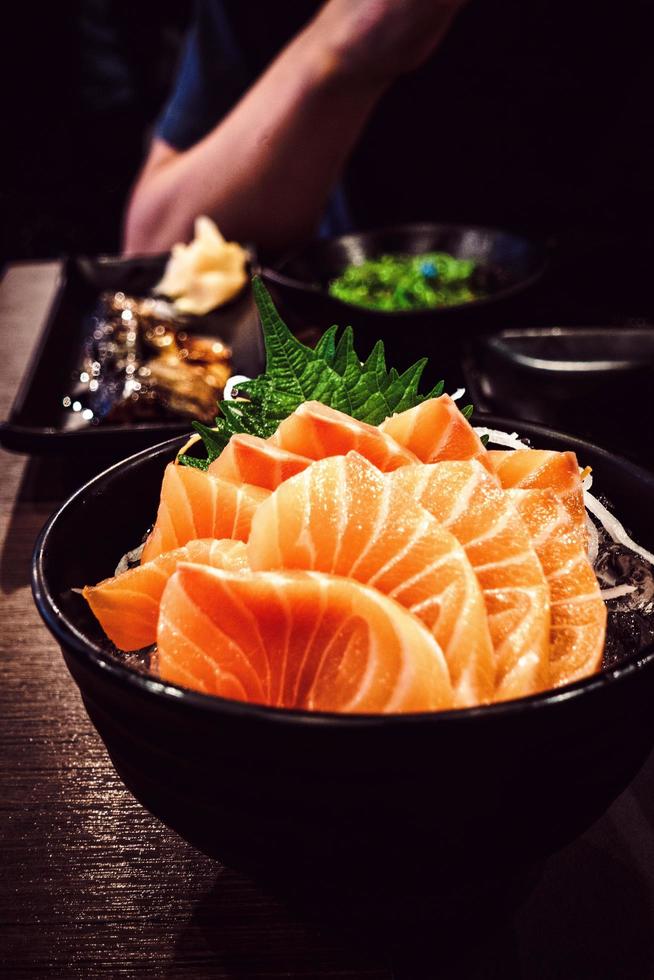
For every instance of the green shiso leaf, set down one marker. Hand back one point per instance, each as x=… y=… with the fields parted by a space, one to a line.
x=199 y=464
x=331 y=373
x=346 y=362
x=326 y=346
x=214 y=440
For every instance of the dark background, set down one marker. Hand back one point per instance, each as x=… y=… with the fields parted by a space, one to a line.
x=534 y=116
x=84 y=80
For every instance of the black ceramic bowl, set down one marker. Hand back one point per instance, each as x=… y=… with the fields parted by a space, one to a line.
x=595 y=381
x=388 y=804
x=509 y=263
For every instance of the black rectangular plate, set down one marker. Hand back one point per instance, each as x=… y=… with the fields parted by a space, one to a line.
x=36 y=423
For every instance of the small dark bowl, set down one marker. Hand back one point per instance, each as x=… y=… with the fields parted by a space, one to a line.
x=398 y=805
x=593 y=381
x=509 y=262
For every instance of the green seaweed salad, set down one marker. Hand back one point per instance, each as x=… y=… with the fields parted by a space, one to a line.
x=408 y=282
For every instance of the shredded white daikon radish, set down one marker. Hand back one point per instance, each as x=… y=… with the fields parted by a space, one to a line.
x=510 y=440
x=593 y=540
x=232 y=383
x=459 y=393
x=191 y=441
x=613 y=527
x=617 y=592
x=611 y=524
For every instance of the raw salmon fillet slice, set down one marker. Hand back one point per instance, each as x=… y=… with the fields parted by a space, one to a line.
x=343 y=517
x=249 y=459
x=436 y=430
x=197 y=504
x=297 y=640
x=317 y=431
x=465 y=498
x=127 y=605
x=578 y=626
x=543 y=469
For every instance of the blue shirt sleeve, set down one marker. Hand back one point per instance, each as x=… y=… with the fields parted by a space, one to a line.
x=211 y=78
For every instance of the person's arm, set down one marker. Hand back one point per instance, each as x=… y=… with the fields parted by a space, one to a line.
x=265 y=171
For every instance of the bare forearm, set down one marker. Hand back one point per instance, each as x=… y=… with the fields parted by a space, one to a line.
x=265 y=172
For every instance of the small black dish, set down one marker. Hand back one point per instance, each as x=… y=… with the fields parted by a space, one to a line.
x=37 y=421
x=510 y=262
x=594 y=381
x=438 y=803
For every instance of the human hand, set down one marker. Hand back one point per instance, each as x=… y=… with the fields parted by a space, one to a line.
x=381 y=39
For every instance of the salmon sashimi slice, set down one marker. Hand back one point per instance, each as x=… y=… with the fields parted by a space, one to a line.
x=197 y=504
x=317 y=431
x=249 y=459
x=297 y=640
x=465 y=498
x=127 y=605
x=436 y=430
x=543 y=469
x=578 y=626
x=342 y=516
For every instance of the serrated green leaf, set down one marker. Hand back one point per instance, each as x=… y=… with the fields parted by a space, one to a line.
x=364 y=391
x=240 y=417
x=375 y=409
x=214 y=440
x=467 y=411
x=286 y=357
x=345 y=358
x=375 y=363
x=403 y=392
x=253 y=389
x=199 y=464
x=331 y=373
x=326 y=346
x=411 y=377
x=231 y=412
x=292 y=367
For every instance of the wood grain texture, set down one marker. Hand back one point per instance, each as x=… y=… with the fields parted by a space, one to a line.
x=92 y=886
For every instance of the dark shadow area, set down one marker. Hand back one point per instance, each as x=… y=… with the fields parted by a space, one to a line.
x=46 y=482
x=241 y=930
x=50 y=479
x=642 y=793
x=83 y=83
x=590 y=918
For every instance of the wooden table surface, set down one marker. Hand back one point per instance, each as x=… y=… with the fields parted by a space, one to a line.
x=92 y=886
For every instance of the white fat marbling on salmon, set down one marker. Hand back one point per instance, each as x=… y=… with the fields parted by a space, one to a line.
x=418 y=532
x=466 y=500
x=364 y=527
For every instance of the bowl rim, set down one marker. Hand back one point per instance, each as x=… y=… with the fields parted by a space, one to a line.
x=103 y=663
x=273 y=274
x=496 y=344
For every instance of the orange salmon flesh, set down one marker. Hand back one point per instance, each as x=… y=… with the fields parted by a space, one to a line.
x=341 y=566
